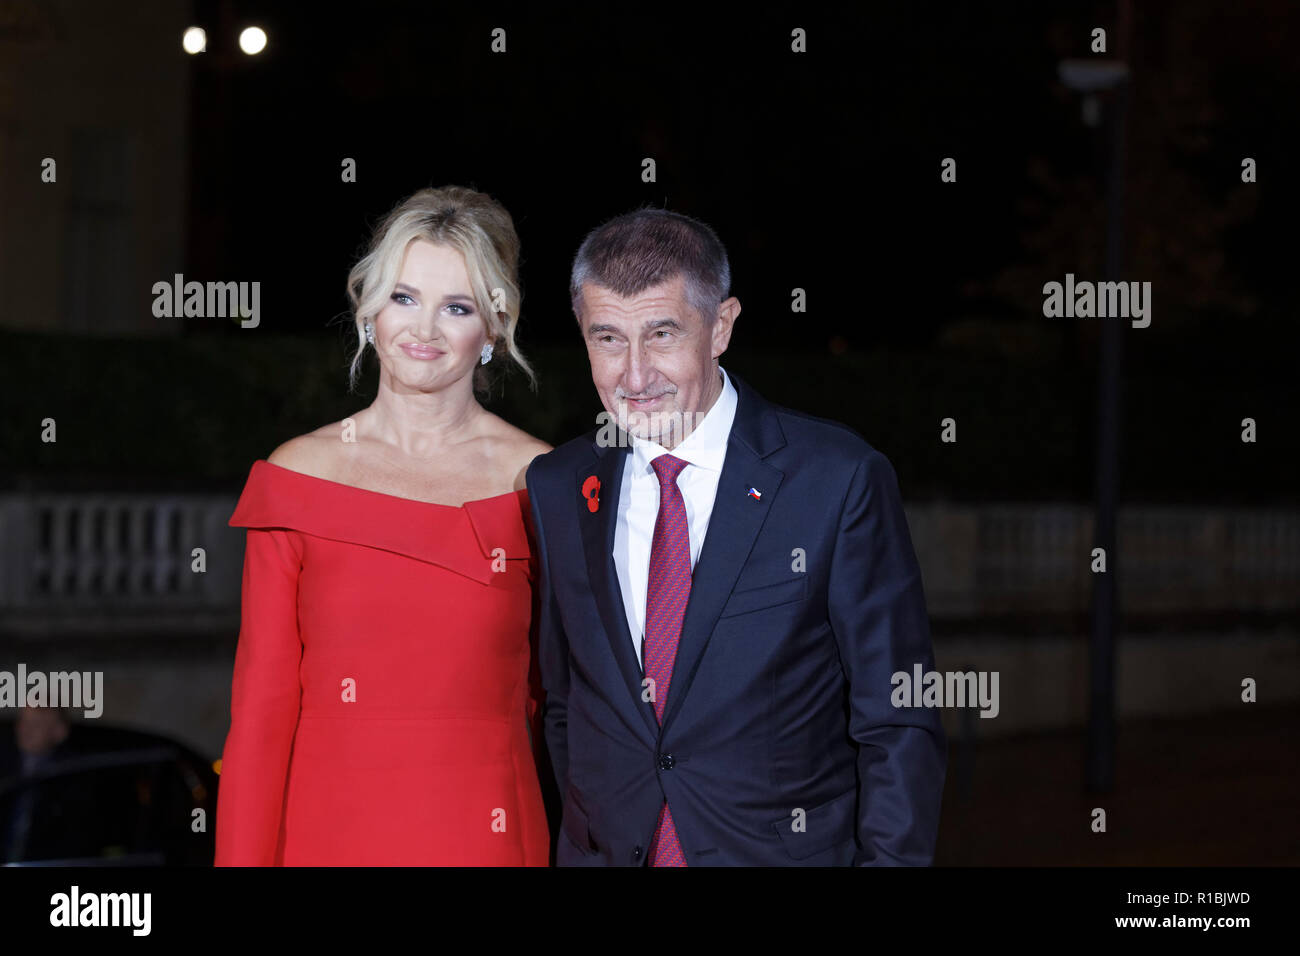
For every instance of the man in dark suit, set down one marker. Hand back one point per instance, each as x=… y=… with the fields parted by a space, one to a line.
x=727 y=588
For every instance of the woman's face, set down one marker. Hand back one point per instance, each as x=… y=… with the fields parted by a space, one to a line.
x=430 y=333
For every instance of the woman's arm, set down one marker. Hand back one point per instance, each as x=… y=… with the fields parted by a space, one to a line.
x=265 y=698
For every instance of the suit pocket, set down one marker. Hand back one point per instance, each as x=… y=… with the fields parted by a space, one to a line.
x=767 y=596
x=575 y=825
x=823 y=827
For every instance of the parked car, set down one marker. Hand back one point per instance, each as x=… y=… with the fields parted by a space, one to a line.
x=105 y=796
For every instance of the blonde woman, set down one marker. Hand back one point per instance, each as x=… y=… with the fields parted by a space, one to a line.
x=383 y=691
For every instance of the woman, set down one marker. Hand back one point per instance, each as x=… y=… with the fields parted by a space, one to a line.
x=383 y=700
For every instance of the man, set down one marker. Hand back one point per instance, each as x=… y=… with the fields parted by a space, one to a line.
x=727 y=588
x=43 y=819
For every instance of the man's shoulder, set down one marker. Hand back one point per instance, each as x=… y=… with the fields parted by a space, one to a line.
x=833 y=457
x=833 y=443
x=562 y=459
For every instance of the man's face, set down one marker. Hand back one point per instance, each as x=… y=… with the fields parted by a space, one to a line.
x=40 y=729
x=652 y=357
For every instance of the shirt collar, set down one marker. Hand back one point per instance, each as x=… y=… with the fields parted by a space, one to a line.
x=706 y=446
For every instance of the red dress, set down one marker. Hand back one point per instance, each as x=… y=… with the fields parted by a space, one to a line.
x=383 y=691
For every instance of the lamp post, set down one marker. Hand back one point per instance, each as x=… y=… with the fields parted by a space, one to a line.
x=1092 y=78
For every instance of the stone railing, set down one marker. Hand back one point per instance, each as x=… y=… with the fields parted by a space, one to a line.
x=1006 y=559
x=117 y=562
x=125 y=563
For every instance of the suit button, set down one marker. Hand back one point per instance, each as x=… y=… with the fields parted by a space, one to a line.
x=636 y=854
x=667 y=761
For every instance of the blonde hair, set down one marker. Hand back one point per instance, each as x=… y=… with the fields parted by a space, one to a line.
x=482 y=231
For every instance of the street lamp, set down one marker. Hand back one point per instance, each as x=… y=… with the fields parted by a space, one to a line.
x=1091 y=78
x=195 y=40
x=252 y=40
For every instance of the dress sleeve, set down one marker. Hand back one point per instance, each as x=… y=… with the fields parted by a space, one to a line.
x=266 y=695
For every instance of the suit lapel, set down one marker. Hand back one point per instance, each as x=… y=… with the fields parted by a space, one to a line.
x=733 y=528
x=598 y=546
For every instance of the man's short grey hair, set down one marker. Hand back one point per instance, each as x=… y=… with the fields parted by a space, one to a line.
x=641 y=249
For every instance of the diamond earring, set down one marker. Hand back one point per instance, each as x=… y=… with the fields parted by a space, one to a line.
x=485 y=356
x=370 y=333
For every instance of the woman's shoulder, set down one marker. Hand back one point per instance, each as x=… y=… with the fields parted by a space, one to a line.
x=314 y=453
x=518 y=449
x=293 y=490
x=291 y=480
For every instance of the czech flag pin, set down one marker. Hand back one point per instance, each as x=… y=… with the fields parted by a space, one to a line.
x=755 y=494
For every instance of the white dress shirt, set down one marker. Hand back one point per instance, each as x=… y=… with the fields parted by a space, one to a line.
x=638 y=502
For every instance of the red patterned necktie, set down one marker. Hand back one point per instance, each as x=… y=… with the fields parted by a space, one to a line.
x=670 y=586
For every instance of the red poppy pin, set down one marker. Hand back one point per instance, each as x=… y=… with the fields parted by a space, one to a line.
x=591 y=491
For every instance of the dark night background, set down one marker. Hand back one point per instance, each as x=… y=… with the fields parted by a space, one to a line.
x=819 y=171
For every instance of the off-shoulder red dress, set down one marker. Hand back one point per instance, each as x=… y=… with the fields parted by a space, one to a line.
x=383 y=690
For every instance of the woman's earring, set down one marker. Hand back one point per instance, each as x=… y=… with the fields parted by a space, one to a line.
x=485 y=356
x=370 y=333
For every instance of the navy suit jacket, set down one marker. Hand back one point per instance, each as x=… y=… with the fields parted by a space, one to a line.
x=779 y=744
